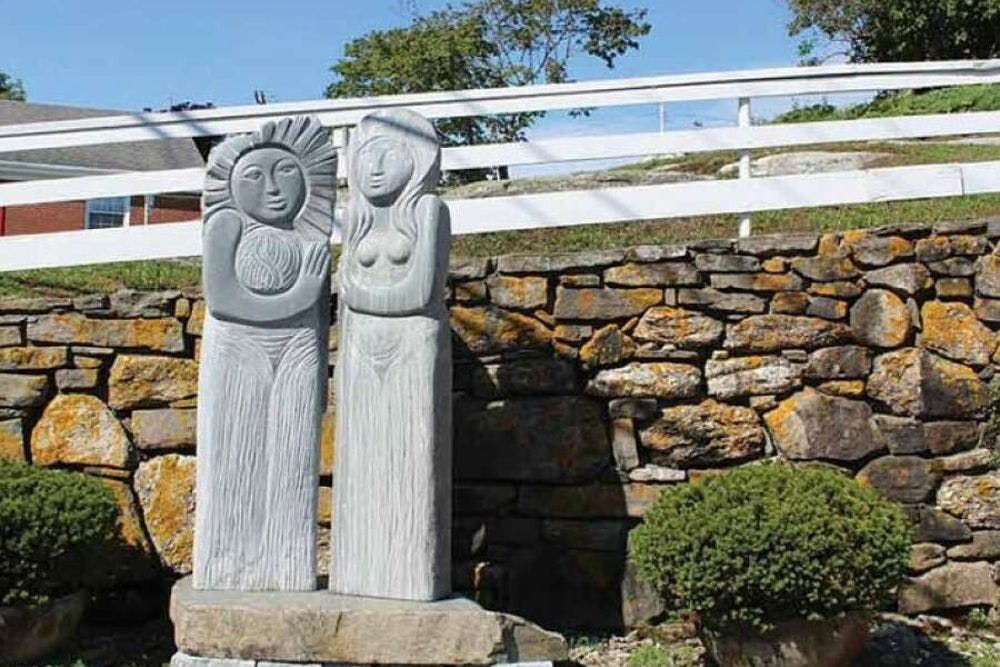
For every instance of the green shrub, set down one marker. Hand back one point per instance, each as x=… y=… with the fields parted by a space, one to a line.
x=767 y=543
x=51 y=522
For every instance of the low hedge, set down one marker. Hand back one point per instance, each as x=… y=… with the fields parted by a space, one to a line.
x=772 y=542
x=51 y=523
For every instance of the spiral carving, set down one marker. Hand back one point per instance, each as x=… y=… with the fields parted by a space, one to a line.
x=268 y=260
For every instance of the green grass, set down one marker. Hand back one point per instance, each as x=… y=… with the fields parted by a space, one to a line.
x=70 y=281
x=905 y=103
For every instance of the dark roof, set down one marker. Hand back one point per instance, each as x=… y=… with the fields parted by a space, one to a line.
x=131 y=156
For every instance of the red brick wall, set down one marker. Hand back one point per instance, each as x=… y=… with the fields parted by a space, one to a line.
x=68 y=216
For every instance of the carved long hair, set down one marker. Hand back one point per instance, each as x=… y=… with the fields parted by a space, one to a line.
x=417 y=136
x=306 y=139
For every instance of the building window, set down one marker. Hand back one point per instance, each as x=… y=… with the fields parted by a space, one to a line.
x=107 y=212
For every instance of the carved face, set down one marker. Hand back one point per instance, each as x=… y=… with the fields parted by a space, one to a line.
x=385 y=168
x=268 y=185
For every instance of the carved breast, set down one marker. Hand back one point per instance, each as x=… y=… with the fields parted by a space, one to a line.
x=268 y=259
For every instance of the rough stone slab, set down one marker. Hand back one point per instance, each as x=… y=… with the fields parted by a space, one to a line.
x=558 y=261
x=21 y=391
x=161 y=334
x=776 y=244
x=79 y=429
x=951 y=586
x=164 y=429
x=320 y=626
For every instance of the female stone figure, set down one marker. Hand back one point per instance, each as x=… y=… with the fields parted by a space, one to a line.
x=392 y=471
x=268 y=210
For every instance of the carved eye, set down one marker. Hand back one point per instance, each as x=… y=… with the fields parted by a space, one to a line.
x=287 y=169
x=253 y=174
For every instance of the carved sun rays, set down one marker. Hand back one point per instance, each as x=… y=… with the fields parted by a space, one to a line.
x=309 y=142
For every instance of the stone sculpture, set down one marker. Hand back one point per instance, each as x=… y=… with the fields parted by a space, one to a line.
x=268 y=210
x=391 y=530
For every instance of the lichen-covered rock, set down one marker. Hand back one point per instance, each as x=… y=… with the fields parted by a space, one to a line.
x=873 y=250
x=11 y=440
x=726 y=302
x=880 y=318
x=21 y=391
x=811 y=425
x=951 y=328
x=924 y=556
x=608 y=346
x=133 y=303
x=906 y=278
x=790 y=303
x=164 y=429
x=491 y=330
x=663 y=274
x=951 y=586
x=161 y=334
x=32 y=358
x=973 y=498
x=919 y=383
x=827 y=308
x=988 y=276
x=658 y=379
x=165 y=488
x=751 y=376
x=702 y=435
x=679 y=327
x=906 y=479
x=771 y=333
x=526 y=293
x=604 y=303
x=953 y=288
x=140 y=380
x=79 y=429
x=838 y=363
x=757 y=282
x=825 y=269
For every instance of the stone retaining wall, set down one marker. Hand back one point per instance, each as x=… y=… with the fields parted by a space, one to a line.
x=585 y=383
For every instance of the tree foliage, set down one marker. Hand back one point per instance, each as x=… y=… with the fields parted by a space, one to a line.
x=10 y=88
x=896 y=30
x=486 y=44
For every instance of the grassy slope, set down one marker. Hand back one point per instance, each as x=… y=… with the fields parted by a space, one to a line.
x=185 y=275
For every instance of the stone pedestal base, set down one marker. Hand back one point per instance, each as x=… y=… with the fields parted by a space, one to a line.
x=268 y=629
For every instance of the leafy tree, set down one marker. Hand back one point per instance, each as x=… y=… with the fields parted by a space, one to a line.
x=486 y=44
x=10 y=88
x=896 y=30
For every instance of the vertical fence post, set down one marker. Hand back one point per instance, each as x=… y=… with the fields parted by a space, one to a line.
x=743 y=120
x=663 y=117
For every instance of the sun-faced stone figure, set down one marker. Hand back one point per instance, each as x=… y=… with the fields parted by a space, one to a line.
x=392 y=472
x=268 y=210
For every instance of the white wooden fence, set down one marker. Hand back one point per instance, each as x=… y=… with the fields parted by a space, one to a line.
x=742 y=196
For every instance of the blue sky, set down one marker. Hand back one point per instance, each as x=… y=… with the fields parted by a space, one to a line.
x=129 y=55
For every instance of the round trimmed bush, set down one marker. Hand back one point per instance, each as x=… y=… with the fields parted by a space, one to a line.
x=51 y=522
x=772 y=542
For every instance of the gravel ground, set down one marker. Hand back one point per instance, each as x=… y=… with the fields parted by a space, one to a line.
x=895 y=641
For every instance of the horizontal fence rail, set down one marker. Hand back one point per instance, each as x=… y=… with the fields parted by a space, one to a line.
x=554 y=209
x=742 y=196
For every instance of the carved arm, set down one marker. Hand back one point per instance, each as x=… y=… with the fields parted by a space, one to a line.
x=230 y=300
